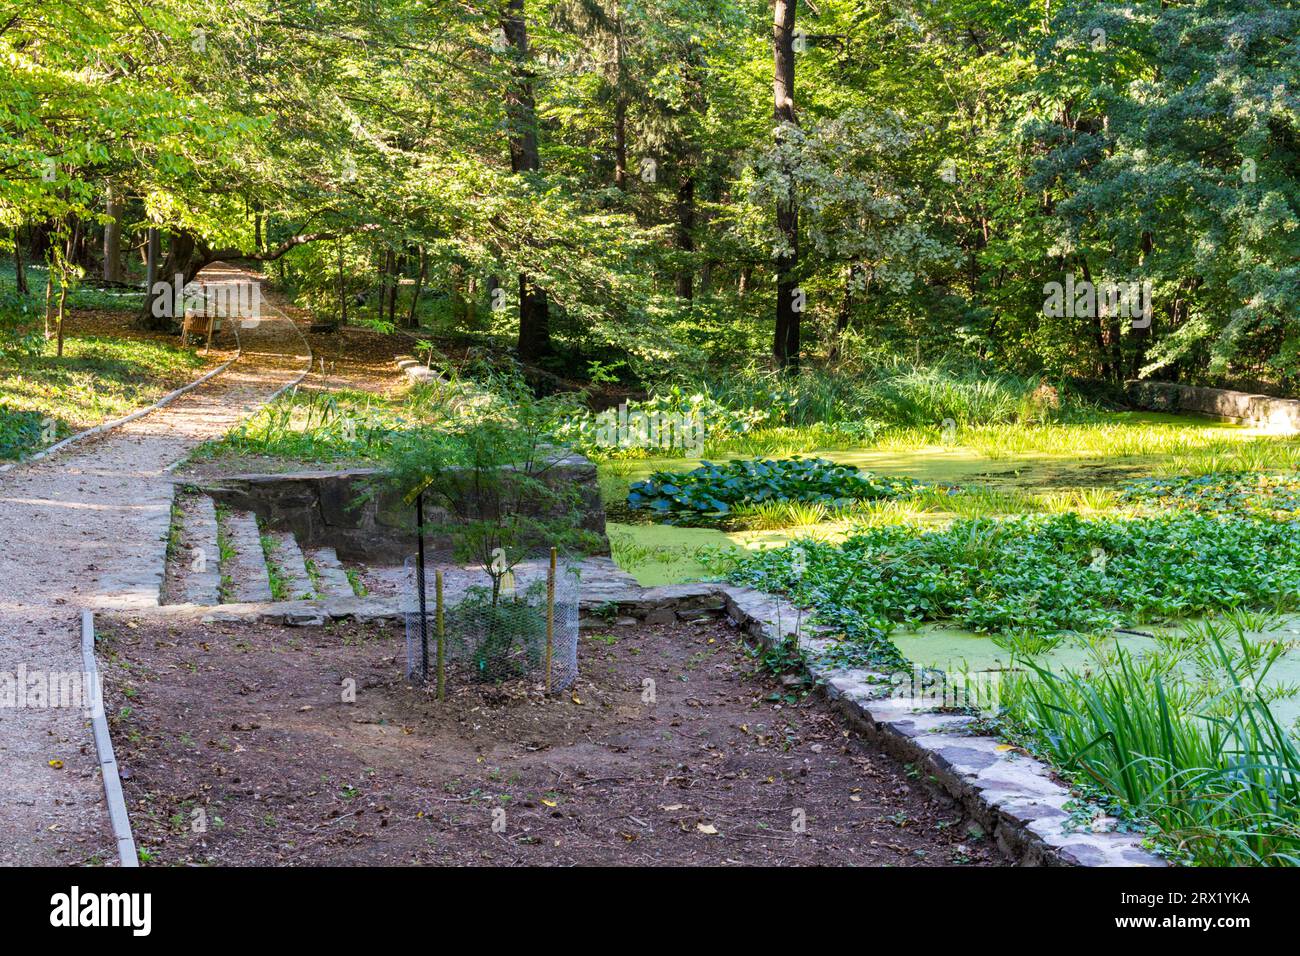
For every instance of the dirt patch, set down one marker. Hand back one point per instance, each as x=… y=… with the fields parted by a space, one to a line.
x=248 y=725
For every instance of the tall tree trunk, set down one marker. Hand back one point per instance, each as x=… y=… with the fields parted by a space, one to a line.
x=385 y=268
x=785 y=342
x=343 y=299
x=686 y=233
x=181 y=264
x=395 y=285
x=846 y=313
x=521 y=115
x=49 y=289
x=620 y=106
x=412 y=317
x=456 y=280
x=113 y=208
x=20 y=271
x=63 y=301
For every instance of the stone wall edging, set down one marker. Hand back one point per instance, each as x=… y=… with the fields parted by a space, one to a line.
x=1280 y=414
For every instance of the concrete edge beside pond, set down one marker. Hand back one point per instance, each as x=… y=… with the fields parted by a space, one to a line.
x=1280 y=414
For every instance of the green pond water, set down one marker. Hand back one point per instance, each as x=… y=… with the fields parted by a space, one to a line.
x=957 y=651
x=661 y=554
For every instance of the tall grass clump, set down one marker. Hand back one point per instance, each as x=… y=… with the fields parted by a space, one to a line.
x=1208 y=764
x=893 y=392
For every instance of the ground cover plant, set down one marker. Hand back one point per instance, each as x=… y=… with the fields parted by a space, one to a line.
x=44 y=398
x=713 y=491
x=1048 y=573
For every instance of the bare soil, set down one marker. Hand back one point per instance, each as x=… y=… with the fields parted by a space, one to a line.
x=249 y=725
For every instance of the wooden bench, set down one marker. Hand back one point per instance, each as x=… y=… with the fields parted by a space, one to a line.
x=201 y=324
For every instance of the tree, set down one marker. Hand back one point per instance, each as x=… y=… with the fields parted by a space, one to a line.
x=785 y=341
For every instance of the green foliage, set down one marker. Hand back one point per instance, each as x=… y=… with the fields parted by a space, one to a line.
x=1226 y=493
x=1037 y=572
x=315 y=426
x=712 y=491
x=97 y=379
x=502 y=636
x=492 y=474
x=1204 y=759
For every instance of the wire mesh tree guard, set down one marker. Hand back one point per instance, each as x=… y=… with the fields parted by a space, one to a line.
x=466 y=623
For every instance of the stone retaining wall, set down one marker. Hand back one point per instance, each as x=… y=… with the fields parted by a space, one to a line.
x=1282 y=414
x=339 y=509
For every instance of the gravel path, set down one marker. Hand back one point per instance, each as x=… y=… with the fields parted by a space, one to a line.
x=87 y=528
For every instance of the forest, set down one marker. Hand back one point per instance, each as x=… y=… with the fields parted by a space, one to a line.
x=936 y=359
x=654 y=188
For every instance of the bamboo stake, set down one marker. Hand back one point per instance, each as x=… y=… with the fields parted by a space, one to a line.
x=550 y=618
x=442 y=683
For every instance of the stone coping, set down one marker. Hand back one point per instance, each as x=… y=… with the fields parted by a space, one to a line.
x=1278 y=414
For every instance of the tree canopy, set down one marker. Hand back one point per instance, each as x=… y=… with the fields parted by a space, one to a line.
x=689 y=181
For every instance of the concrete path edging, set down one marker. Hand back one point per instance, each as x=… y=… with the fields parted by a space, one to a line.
x=127 y=855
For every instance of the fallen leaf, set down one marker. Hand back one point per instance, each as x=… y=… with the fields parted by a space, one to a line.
x=56 y=764
x=708 y=828
x=670 y=807
x=548 y=803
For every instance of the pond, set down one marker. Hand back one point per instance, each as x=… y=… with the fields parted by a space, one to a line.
x=657 y=554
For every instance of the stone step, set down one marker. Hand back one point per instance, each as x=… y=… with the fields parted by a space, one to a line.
x=202 y=579
x=330 y=578
x=243 y=570
x=290 y=565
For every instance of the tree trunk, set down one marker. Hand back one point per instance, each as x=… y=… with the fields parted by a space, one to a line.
x=385 y=269
x=20 y=272
x=846 y=314
x=395 y=285
x=521 y=115
x=178 y=268
x=343 y=299
x=63 y=300
x=456 y=275
x=620 y=109
x=686 y=233
x=49 y=290
x=113 y=208
x=785 y=342
x=412 y=317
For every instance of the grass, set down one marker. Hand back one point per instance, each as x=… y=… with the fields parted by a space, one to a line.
x=274 y=574
x=44 y=399
x=344 y=425
x=226 y=553
x=1203 y=759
